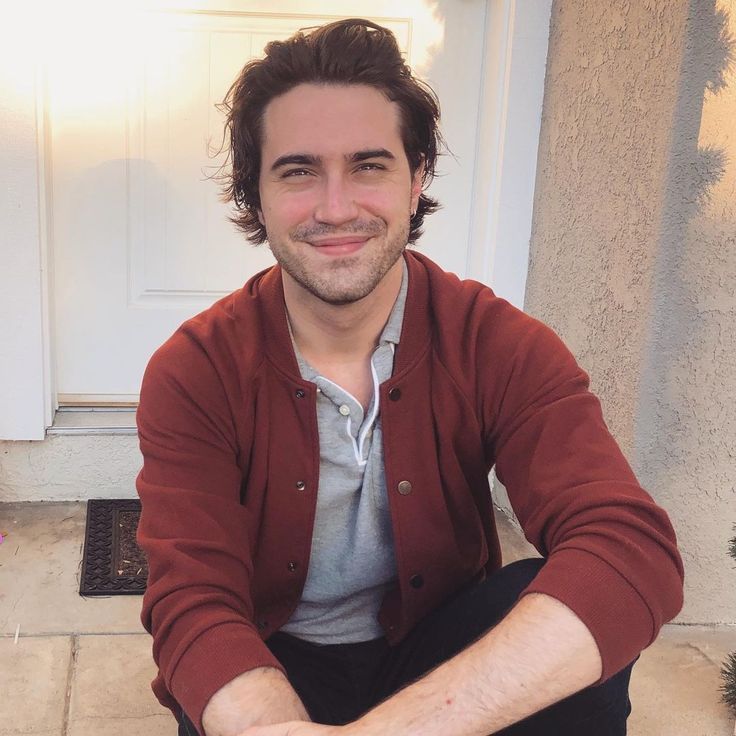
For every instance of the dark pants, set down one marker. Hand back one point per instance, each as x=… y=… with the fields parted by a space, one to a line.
x=339 y=682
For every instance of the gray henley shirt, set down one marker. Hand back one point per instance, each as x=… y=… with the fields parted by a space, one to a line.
x=352 y=562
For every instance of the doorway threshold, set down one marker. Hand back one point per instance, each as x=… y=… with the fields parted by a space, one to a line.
x=89 y=420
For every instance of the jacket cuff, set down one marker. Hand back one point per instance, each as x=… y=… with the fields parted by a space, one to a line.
x=212 y=660
x=614 y=612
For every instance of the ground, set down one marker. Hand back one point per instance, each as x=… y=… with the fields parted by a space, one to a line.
x=82 y=667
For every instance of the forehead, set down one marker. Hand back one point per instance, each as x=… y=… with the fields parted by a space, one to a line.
x=330 y=120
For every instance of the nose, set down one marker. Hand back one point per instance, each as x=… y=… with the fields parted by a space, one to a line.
x=336 y=204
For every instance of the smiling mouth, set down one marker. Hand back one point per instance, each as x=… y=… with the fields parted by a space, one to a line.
x=340 y=246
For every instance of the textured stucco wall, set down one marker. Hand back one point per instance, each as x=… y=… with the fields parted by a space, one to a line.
x=69 y=468
x=633 y=257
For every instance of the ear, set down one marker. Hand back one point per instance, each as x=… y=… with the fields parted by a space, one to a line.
x=259 y=211
x=416 y=186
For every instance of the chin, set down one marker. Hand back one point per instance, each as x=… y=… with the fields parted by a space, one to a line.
x=341 y=298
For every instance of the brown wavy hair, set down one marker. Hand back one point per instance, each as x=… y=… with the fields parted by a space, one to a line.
x=353 y=51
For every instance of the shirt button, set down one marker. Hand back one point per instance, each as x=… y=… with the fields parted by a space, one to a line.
x=416 y=581
x=300 y=485
x=404 y=488
x=344 y=410
x=394 y=394
x=300 y=393
x=292 y=566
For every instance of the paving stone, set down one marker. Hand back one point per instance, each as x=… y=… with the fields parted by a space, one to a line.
x=111 y=693
x=34 y=674
x=146 y=726
x=40 y=567
x=675 y=685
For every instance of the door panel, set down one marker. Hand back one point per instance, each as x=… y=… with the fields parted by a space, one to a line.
x=141 y=241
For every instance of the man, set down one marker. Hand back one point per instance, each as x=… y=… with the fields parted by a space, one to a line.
x=316 y=511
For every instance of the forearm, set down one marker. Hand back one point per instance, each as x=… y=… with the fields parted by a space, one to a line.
x=539 y=654
x=258 y=697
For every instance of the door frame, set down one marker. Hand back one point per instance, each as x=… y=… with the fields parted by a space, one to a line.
x=27 y=376
x=510 y=117
x=516 y=39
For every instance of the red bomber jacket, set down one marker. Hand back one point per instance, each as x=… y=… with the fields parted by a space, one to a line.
x=228 y=432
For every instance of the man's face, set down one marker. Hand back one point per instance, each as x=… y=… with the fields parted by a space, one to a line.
x=336 y=189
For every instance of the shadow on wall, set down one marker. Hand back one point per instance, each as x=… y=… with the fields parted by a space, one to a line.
x=684 y=428
x=692 y=173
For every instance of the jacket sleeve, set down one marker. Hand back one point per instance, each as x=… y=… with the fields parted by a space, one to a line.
x=611 y=553
x=194 y=530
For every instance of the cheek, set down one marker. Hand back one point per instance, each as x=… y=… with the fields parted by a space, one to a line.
x=385 y=202
x=287 y=210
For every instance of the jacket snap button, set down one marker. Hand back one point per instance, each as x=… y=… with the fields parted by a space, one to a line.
x=300 y=485
x=404 y=488
x=292 y=566
x=416 y=581
x=394 y=394
x=300 y=393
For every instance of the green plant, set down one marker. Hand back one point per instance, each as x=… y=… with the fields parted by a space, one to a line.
x=728 y=671
x=728 y=688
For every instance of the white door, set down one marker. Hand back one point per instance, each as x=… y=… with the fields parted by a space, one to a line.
x=140 y=240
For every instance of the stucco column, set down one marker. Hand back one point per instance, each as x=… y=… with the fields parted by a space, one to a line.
x=633 y=252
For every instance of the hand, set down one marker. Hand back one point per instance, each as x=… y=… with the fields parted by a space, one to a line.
x=294 y=728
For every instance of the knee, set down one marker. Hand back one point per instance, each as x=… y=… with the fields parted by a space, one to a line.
x=517 y=576
x=500 y=591
x=526 y=569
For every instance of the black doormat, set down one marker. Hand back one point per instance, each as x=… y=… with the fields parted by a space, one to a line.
x=113 y=563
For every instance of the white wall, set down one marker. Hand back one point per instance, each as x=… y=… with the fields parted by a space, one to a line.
x=25 y=408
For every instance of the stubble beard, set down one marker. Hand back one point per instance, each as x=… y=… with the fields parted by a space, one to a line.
x=342 y=279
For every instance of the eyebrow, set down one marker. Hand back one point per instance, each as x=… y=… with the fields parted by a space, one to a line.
x=306 y=159
x=371 y=153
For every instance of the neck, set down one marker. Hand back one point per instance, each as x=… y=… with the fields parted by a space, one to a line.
x=342 y=332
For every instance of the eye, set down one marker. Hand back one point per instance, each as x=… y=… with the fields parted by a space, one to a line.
x=295 y=172
x=371 y=166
